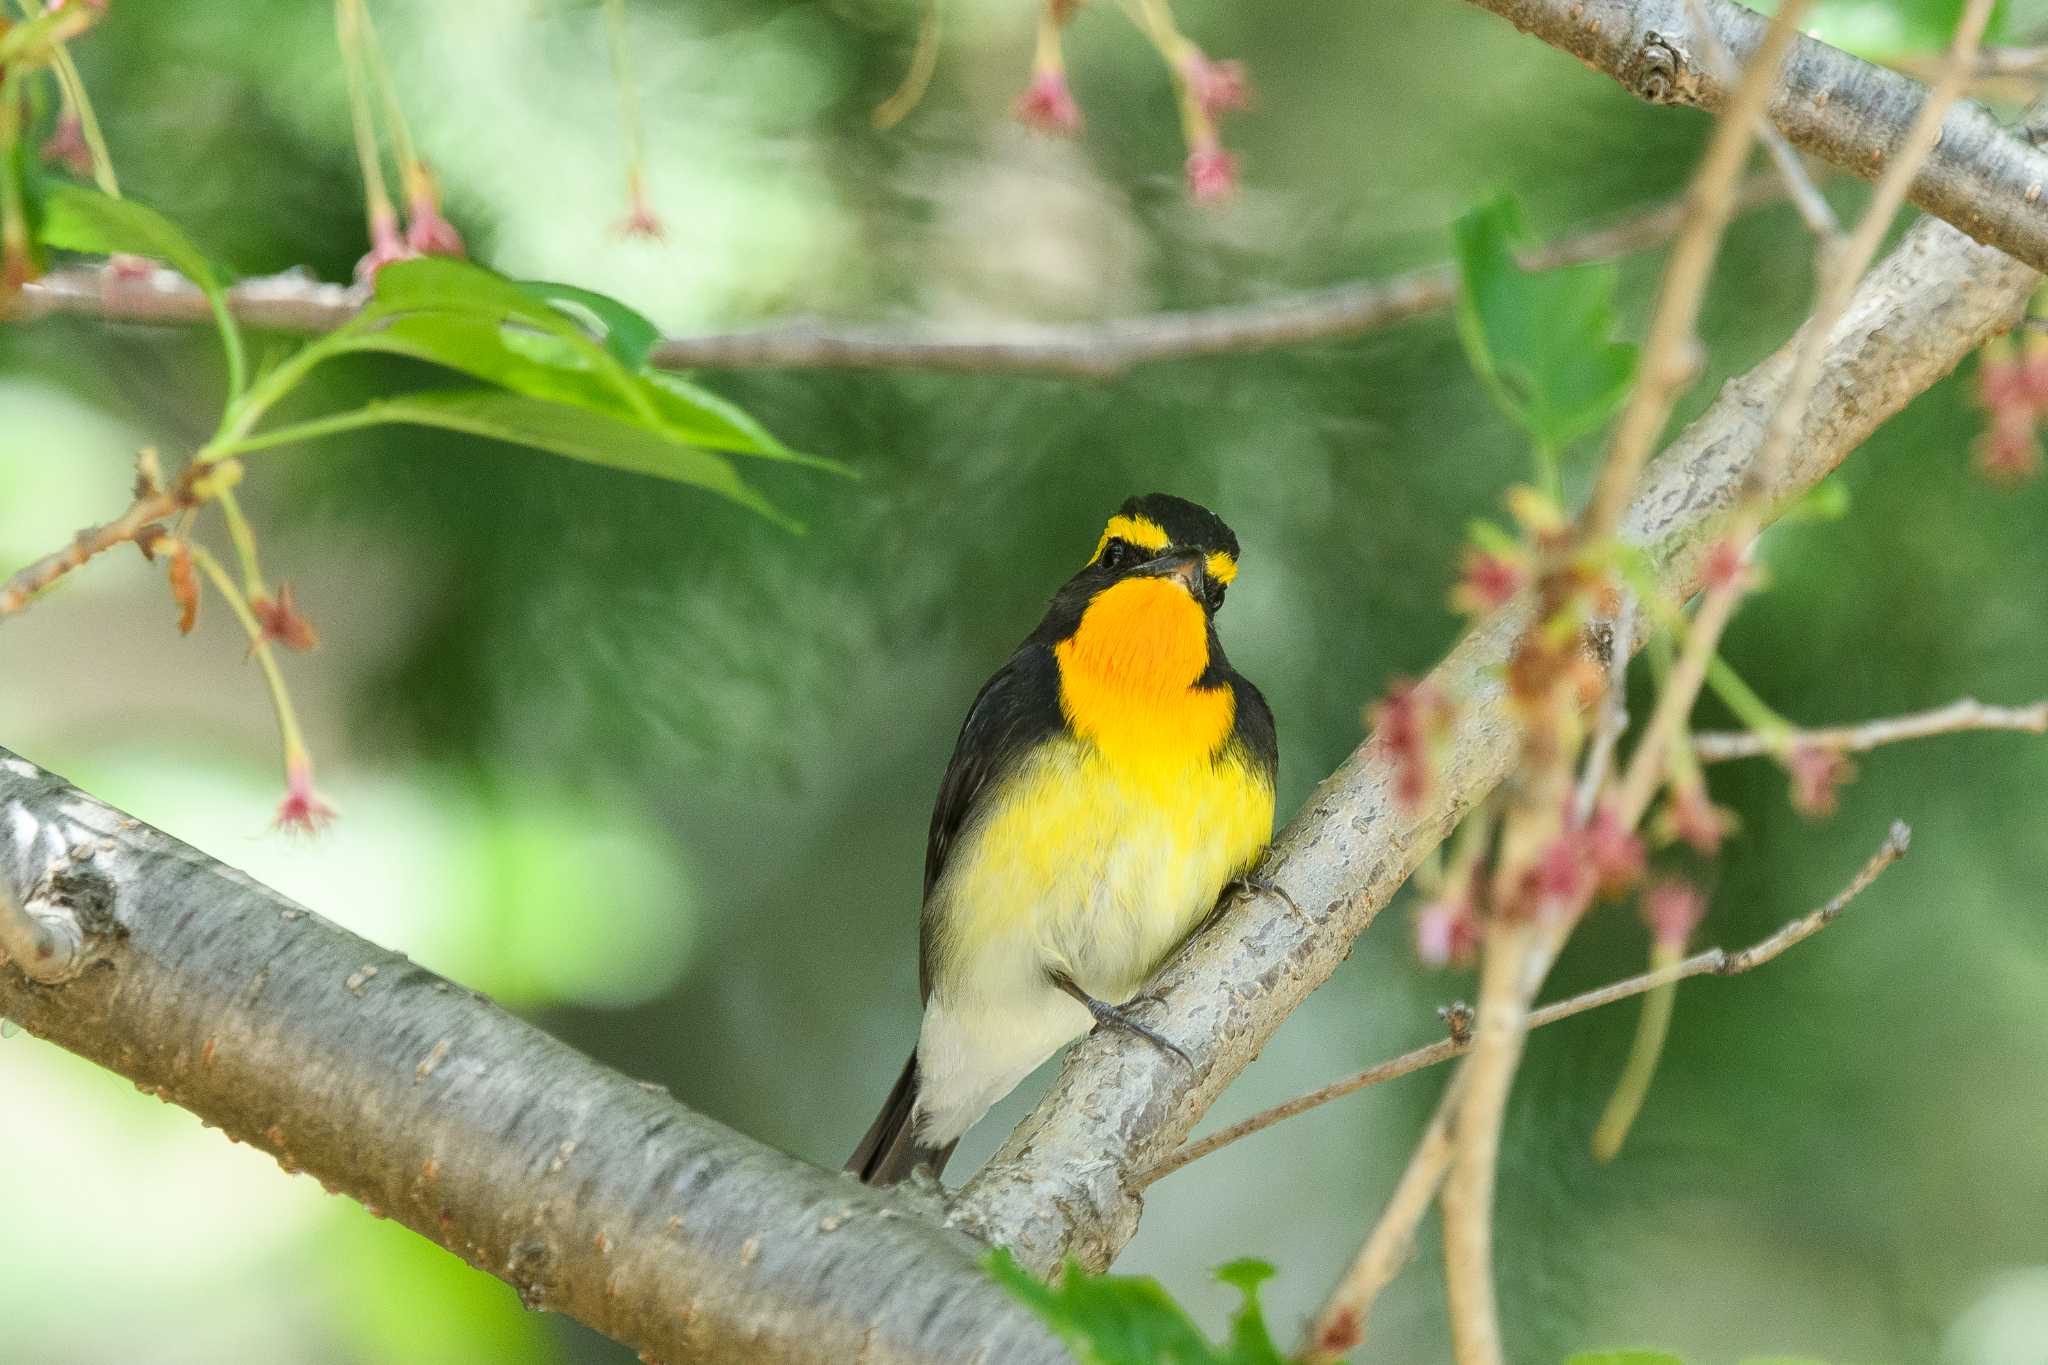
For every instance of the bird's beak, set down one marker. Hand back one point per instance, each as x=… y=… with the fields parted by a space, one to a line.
x=1186 y=567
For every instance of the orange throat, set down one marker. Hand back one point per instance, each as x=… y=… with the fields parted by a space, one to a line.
x=1127 y=678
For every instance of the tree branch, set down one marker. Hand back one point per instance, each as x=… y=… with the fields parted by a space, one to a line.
x=1066 y=1180
x=1957 y=716
x=1341 y=1324
x=1981 y=177
x=590 y=1194
x=294 y=302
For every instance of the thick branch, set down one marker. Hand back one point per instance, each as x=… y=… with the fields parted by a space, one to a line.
x=1981 y=177
x=590 y=1194
x=1066 y=1179
x=294 y=302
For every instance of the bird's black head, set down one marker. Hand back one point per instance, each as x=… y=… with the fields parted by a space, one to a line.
x=1159 y=535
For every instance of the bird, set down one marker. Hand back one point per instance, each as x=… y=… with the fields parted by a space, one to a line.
x=1109 y=782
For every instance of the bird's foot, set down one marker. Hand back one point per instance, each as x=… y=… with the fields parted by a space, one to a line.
x=1107 y=1015
x=1263 y=886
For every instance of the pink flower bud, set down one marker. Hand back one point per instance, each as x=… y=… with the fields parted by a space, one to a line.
x=1488 y=581
x=302 y=811
x=1816 y=775
x=386 y=246
x=1047 y=104
x=66 y=147
x=1673 y=909
x=1616 y=853
x=1689 y=816
x=1212 y=172
x=1219 y=87
x=1447 y=932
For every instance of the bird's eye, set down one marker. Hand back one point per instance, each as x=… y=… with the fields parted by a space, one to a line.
x=1216 y=591
x=1116 y=553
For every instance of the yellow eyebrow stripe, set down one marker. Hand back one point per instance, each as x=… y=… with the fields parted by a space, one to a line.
x=1222 y=567
x=1142 y=532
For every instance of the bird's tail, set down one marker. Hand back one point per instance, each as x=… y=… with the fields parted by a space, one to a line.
x=891 y=1151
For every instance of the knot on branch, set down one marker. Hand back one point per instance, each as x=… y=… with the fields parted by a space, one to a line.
x=1660 y=71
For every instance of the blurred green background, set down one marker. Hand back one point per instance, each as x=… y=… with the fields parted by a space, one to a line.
x=530 y=667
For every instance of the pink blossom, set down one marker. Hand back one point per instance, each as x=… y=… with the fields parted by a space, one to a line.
x=66 y=147
x=1673 y=909
x=1219 y=87
x=386 y=245
x=1047 y=104
x=1816 y=775
x=303 y=811
x=1212 y=172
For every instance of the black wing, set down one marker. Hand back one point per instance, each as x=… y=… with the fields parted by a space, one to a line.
x=1255 y=733
x=1016 y=710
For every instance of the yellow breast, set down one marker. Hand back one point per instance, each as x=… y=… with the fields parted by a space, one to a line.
x=1107 y=846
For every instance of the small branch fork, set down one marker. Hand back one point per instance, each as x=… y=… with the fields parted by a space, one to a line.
x=1341 y=1324
x=294 y=302
x=1956 y=717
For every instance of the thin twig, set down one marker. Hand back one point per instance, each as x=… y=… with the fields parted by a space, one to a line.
x=1813 y=209
x=1839 y=279
x=1710 y=961
x=1341 y=1325
x=17 y=591
x=1957 y=716
x=294 y=302
x=1668 y=362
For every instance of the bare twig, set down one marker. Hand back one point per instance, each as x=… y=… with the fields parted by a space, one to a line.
x=294 y=302
x=1957 y=716
x=1806 y=196
x=1838 y=282
x=1668 y=359
x=1341 y=1325
x=17 y=591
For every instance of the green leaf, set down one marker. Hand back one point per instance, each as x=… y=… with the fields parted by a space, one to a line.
x=1541 y=340
x=462 y=316
x=628 y=335
x=76 y=218
x=1827 y=500
x=1131 y=1320
x=559 y=430
x=1624 y=1358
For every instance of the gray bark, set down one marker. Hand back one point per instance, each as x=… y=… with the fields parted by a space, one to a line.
x=1063 y=1183
x=588 y=1193
x=1981 y=177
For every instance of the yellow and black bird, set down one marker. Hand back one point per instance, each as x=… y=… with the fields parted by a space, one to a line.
x=1110 y=780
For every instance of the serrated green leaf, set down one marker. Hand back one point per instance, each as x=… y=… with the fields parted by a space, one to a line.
x=75 y=218
x=628 y=334
x=1542 y=341
x=575 y=433
x=1131 y=1320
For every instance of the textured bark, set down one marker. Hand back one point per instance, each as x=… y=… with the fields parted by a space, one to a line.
x=1064 y=1182
x=590 y=1194
x=1982 y=177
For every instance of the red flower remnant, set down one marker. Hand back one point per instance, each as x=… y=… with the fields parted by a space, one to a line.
x=427 y=231
x=1561 y=880
x=184 y=587
x=1487 y=582
x=1673 y=909
x=1406 y=723
x=1047 y=104
x=641 y=220
x=1340 y=1334
x=281 y=621
x=66 y=147
x=1219 y=87
x=1689 y=815
x=1615 y=852
x=1447 y=929
x=387 y=244
x=1726 y=568
x=2008 y=452
x=1816 y=775
x=1212 y=172
x=302 y=811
